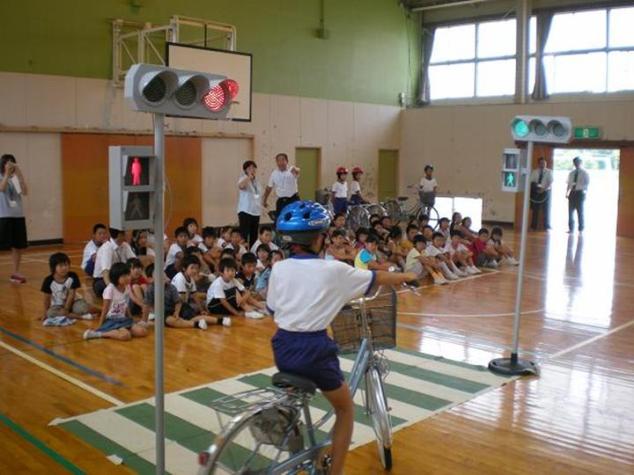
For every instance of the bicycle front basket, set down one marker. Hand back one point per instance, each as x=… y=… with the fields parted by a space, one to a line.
x=347 y=326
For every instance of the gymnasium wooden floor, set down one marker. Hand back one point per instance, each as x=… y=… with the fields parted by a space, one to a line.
x=576 y=418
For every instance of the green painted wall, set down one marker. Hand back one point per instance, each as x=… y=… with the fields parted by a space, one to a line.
x=372 y=53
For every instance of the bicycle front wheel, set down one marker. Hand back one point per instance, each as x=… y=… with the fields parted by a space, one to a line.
x=378 y=411
x=254 y=443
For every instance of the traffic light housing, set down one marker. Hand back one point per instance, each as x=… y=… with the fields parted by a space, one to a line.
x=513 y=169
x=541 y=129
x=179 y=93
x=132 y=185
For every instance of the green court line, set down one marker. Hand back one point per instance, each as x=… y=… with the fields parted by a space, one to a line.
x=441 y=359
x=413 y=398
x=435 y=377
x=319 y=401
x=18 y=429
x=190 y=436
x=109 y=447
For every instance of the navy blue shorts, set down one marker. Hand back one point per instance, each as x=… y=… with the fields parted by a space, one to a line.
x=312 y=355
x=340 y=205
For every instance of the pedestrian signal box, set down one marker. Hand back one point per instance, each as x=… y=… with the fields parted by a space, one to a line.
x=513 y=169
x=132 y=186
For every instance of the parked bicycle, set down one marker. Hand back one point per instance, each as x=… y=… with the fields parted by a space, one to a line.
x=272 y=431
x=359 y=215
x=406 y=209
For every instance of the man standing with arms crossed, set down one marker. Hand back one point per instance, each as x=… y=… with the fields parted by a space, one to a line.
x=284 y=181
x=541 y=184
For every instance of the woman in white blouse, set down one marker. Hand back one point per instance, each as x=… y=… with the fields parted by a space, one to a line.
x=249 y=207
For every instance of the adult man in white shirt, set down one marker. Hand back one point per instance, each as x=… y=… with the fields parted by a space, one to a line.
x=541 y=184
x=578 y=181
x=110 y=252
x=284 y=181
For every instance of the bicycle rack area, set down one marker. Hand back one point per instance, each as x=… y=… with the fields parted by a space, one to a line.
x=136 y=42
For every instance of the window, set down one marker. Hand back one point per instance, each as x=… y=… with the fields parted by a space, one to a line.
x=589 y=51
x=472 y=60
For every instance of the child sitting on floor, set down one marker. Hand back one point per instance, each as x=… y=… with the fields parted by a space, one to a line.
x=247 y=275
x=505 y=252
x=484 y=254
x=99 y=236
x=210 y=249
x=367 y=257
x=361 y=238
x=435 y=250
x=173 y=308
x=227 y=296
x=460 y=254
x=235 y=243
x=224 y=236
x=266 y=237
x=339 y=248
x=193 y=238
x=137 y=285
x=62 y=304
x=262 y=280
x=264 y=256
x=179 y=246
x=116 y=321
x=420 y=264
x=185 y=283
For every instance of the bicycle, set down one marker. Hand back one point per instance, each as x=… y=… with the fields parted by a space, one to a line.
x=359 y=215
x=398 y=210
x=272 y=432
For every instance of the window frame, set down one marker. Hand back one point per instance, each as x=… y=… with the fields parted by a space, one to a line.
x=475 y=99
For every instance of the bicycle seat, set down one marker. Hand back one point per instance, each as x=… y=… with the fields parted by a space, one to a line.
x=288 y=380
x=402 y=198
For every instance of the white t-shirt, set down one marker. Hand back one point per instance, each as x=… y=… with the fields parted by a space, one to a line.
x=195 y=241
x=426 y=185
x=432 y=251
x=284 y=183
x=171 y=254
x=355 y=187
x=119 y=302
x=256 y=244
x=183 y=285
x=412 y=259
x=239 y=252
x=249 y=198
x=452 y=250
x=90 y=249
x=219 y=286
x=340 y=190
x=306 y=293
x=109 y=253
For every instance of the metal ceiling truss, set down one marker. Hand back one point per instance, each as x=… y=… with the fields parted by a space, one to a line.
x=134 y=42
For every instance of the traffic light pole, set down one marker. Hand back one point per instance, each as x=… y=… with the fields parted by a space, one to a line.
x=159 y=289
x=514 y=365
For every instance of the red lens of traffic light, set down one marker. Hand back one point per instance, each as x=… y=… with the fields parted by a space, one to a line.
x=232 y=86
x=216 y=98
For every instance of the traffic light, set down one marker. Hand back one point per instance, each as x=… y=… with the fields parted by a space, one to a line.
x=542 y=129
x=513 y=169
x=132 y=185
x=175 y=92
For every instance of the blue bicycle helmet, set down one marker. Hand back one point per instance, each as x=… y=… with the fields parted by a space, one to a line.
x=300 y=221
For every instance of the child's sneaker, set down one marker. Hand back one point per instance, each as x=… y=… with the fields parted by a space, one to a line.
x=491 y=264
x=226 y=321
x=150 y=317
x=253 y=314
x=461 y=273
x=87 y=316
x=17 y=279
x=440 y=281
x=513 y=261
x=202 y=324
x=91 y=334
x=475 y=270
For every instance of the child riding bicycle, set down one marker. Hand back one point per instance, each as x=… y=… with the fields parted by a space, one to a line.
x=304 y=296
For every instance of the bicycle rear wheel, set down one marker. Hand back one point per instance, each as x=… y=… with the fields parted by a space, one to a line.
x=254 y=442
x=358 y=217
x=378 y=411
x=393 y=209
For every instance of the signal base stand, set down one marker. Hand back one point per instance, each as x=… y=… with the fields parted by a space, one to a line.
x=513 y=366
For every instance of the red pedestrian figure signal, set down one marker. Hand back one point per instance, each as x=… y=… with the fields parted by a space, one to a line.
x=136 y=171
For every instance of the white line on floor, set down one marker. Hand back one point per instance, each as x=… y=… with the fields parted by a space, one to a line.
x=64 y=376
x=589 y=341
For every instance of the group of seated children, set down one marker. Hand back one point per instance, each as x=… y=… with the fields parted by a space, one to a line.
x=450 y=252
x=208 y=280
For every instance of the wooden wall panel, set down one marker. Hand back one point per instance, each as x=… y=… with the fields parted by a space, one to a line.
x=625 y=218
x=85 y=180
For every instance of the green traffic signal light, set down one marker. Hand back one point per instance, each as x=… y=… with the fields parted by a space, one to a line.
x=520 y=128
